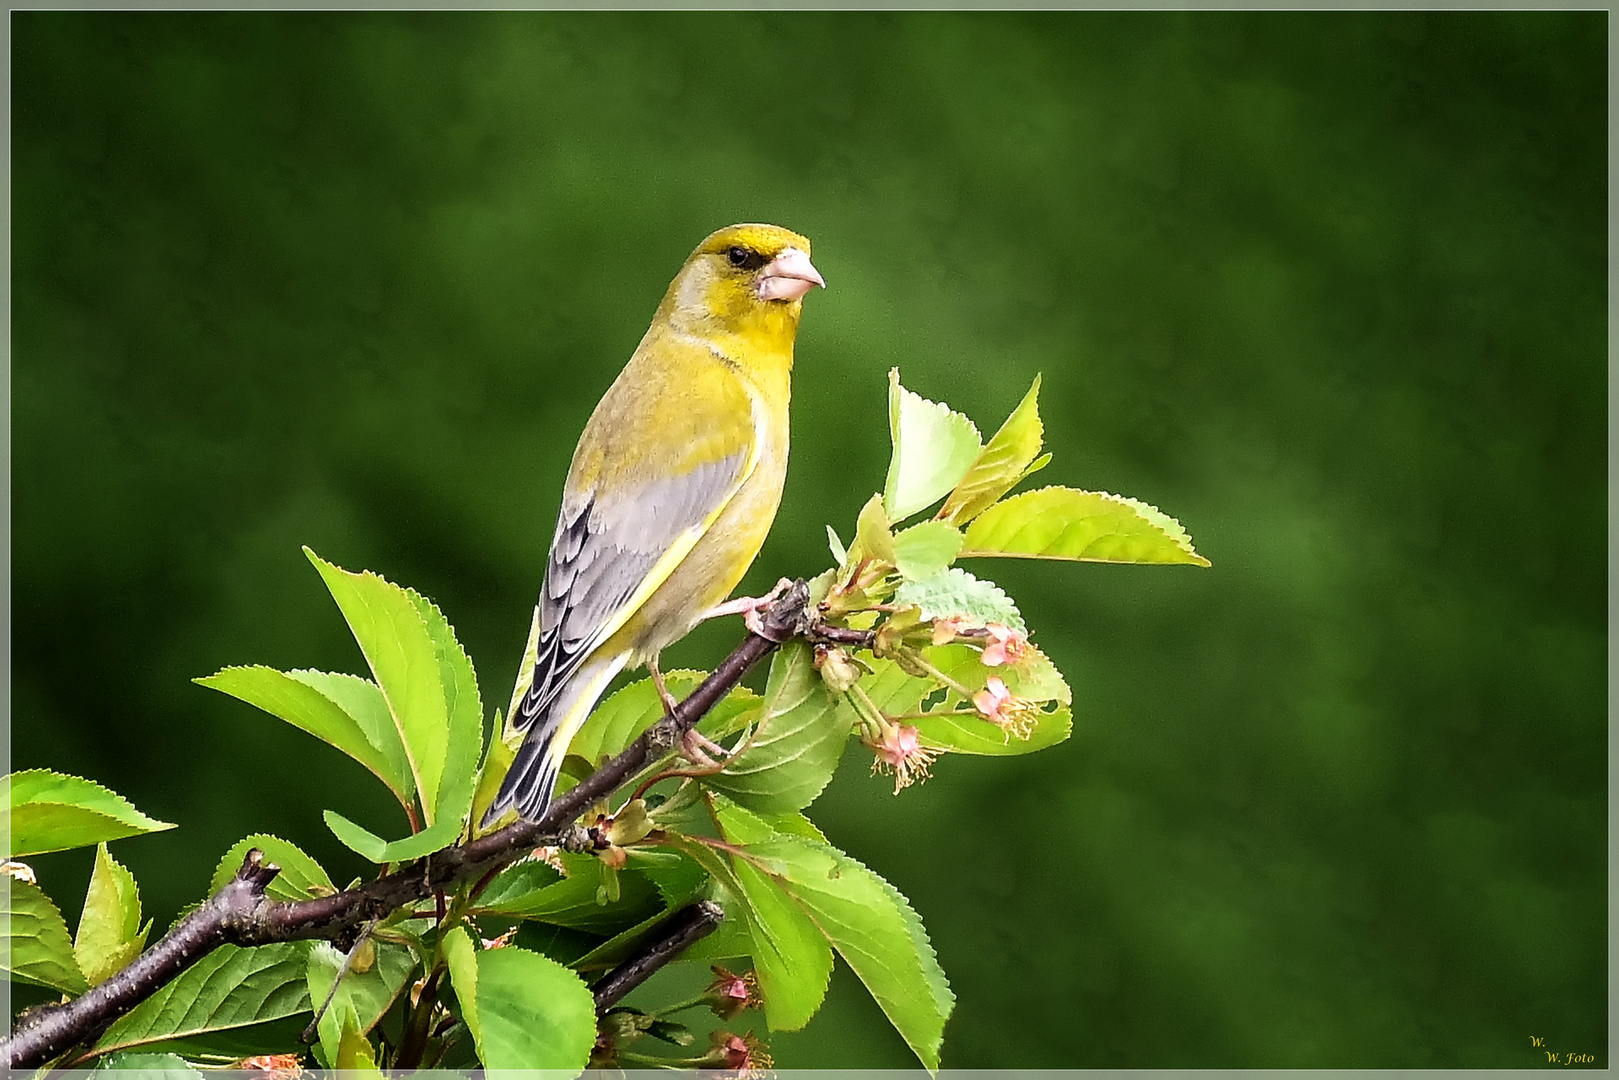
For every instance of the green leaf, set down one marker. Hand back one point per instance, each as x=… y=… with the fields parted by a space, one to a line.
x=524 y=1010
x=1007 y=458
x=925 y=550
x=37 y=948
x=497 y=760
x=462 y=960
x=230 y=987
x=840 y=554
x=110 y=933
x=933 y=449
x=626 y=713
x=464 y=707
x=579 y=900
x=344 y=711
x=354 y=1053
x=301 y=877
x=795 y=749
x=148 y=1067
x=514 y=884
x=956 y=592
x=970 y=735
x=404 y=661
x=873 y=536
x=362 y=997
x=873 y=928
x=50 y=811
x=1088 y=526
x=790 y=956
x=363 y=841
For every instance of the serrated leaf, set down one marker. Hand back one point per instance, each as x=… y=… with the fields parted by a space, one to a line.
x=1086 y=526
x=790 y=956
x=464 y=707
x=1006 y=459
x=148 y=1067
x=865 y=918
x=110 y=934
x=362 y=997
x=933 y=449
x=230 y=987
x=404 y=662
x=50 y=811
x=301 y=877
x=364 y=842
x=343 y=711
x=970 y=735
x=37 y=948
x=795 y=749
x=955 y=592
x=925 y=550
x=524 y=1010
x=873 y=928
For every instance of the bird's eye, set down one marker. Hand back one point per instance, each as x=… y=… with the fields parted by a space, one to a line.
x=745 y=258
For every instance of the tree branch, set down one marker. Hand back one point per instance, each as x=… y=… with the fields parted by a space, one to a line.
x=691 y=925
x=239 y=914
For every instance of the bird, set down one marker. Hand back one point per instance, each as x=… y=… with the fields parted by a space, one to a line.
x=671 y=492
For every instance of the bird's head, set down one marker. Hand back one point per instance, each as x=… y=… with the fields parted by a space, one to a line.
x=744 y=279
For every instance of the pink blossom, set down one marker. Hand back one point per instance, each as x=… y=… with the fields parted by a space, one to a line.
x=900 y=751
x=1012 y=714
x=1006 y=646
x=946 y=628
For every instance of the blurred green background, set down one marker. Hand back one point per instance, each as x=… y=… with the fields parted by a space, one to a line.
x=1329 y=288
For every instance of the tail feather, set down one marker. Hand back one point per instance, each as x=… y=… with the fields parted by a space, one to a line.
x=533 y=774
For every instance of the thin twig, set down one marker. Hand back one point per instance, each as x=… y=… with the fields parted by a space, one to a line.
x=684 y=929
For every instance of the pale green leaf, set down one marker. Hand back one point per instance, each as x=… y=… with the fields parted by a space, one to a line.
x=873 y=536
x=301 y=877
x=404 y=661
x=1089 y=526
x=840 y=554
x=362 y=997
x=514 y=884
x=464 y=707
x=345 y=711
x=933 y=449
x=228 y=988
x=37 y=948
x=50 y=811
x=794 y=751
x=497 y=760
x=926 y=549
x=972 y=735
x=955 y=592
x=110 y=933
x=354 y=1053
x=462 y=960
x=1006 y=459
x=627 y=712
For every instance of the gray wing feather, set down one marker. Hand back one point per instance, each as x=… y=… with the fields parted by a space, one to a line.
x=604 y=548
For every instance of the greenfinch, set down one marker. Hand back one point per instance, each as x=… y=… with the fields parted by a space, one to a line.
x=672 y=490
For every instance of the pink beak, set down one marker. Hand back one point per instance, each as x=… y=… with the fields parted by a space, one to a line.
x=788 y=276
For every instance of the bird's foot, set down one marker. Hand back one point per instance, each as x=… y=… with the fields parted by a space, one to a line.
x=749 y=607
x=668 y=699
x=696 y=747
